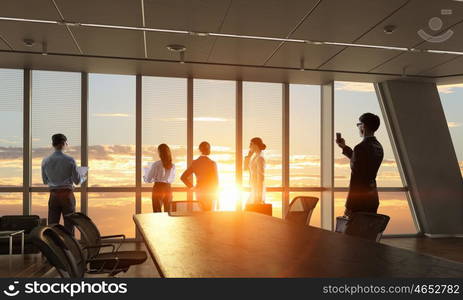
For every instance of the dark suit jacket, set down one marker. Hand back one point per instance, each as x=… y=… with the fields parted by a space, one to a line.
x=205 y=170
x=365 y=161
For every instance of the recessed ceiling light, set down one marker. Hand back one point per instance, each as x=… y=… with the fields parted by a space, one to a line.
x=389 y=29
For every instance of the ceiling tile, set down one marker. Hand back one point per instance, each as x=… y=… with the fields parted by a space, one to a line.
x=358 y=59
x=291 y=54
x=114 y=12
x=29 y=9
x=415 y=63
x=451 y=41
x=110 y=42
x=203 y=16
x=273 y=18
x=56 y=36
x=345 y=21
x=451 y=67
x=240 y=51
x=410 y=19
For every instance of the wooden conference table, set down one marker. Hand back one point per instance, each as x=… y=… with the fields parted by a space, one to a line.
x=244 y=244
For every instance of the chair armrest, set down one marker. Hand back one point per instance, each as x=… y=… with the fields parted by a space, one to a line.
x=122 y=236
x=99 y=247
x=113 y=236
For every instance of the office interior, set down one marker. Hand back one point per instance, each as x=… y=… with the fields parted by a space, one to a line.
x=120 y=77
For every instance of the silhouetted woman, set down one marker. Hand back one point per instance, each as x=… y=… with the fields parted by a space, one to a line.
x=255 y=163
x=162 y=173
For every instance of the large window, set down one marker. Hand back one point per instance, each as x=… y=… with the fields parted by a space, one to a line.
x=165 y=120
x=111 y=130
x=214 y=122
x=262 y=117
x=56 y=99
x=304 y=143
x=11 y=137
x=304 y=135
x=351 y=101
x=11 y=203
x=452 y=102
x=113 y=212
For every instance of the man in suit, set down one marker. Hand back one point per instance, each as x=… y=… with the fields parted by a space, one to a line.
x=59 y=172
x=365 y=161
x=207 y=179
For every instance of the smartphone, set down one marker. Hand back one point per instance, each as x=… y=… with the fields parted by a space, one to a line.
x=338 y=136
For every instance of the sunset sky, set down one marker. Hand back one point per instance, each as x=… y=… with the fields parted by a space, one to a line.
x=56 y=108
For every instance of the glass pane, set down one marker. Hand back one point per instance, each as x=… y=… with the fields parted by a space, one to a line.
x=452 y=102
x=40 y=204
x=304 y=135
x=113 y=212
x=315 y=219
x=147 y=204
x=262 y=117
x=56 y=99
x=11 y=137
x=111 y=130
x=393 y=204
x=164 y=120
x=214 y=122
x=352 y=99
x=11 y=204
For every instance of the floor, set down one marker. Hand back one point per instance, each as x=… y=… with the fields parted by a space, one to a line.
x=448 y=248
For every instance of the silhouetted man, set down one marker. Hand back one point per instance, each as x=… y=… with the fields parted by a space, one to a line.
x=365 y=161
x=207 y=179
x=59 y=172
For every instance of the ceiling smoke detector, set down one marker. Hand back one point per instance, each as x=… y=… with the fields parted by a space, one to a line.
x=29 y=42
x=176 y=48
x=180 y=49
x=389 y=29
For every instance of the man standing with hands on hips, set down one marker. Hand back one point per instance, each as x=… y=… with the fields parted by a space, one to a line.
x=60 y=173
x=365 y=161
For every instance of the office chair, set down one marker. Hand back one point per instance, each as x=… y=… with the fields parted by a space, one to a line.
x=300 y=210
x=365 y=225
x=92 y=242
x=106 y=264
x=55 y=251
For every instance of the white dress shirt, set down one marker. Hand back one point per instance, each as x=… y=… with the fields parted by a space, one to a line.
x=157 y=173
x=256 y=166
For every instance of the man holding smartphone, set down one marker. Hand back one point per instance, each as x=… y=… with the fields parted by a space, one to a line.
x=365 y=161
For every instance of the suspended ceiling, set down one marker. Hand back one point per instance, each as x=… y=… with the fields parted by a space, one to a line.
x=72 y=47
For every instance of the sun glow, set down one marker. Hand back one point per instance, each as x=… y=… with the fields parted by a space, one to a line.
x=229 y=198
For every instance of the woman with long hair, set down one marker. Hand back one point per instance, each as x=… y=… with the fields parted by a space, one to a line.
x=255 y=163
x=162 y=173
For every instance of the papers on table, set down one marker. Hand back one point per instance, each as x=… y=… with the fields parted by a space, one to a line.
x=83 y=172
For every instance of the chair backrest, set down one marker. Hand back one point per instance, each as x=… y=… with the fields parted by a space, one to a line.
x=55 y=250
x=89 y=233
x=300 y=210
x=367 y=225
x=186 y=206
x=73 y=245
x=19 y=222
